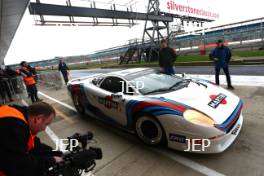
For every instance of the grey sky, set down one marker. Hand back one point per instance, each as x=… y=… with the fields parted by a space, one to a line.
x=42 y=42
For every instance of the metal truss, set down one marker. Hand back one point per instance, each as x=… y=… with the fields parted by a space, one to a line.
x=70 y=11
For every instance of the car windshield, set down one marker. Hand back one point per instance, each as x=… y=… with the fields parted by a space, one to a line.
x=157 y=82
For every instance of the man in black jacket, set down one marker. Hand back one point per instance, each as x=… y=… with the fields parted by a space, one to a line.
x=22 y=153
x=167 y=57
x=64 y=69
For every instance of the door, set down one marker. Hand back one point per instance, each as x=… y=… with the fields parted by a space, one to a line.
x=114 y=109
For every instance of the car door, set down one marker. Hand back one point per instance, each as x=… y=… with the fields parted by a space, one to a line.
x=104 y=100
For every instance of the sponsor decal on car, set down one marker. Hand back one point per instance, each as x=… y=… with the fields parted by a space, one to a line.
x=228 y=125
x=108 y=103
x=177 y=138
x=216 y=100
x=234 y=132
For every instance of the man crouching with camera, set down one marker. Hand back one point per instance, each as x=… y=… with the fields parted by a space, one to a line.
x=21 y=152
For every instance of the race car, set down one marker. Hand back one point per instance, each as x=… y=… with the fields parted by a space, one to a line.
x=191 y=115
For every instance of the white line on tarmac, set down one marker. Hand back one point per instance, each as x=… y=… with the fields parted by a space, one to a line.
x=189 y=163
x=182 y=160
x=57 y=101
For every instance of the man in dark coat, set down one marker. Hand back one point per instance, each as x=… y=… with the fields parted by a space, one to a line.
x=63 y=68
x=221 y=56
x=167 y=57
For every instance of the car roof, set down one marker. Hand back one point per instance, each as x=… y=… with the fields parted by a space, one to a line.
x=127 y=73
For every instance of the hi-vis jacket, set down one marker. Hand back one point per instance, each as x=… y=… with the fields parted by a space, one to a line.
x=10 y=112
x=21 y=153
x=27 y=75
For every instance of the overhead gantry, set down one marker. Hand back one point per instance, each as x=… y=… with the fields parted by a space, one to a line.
x=155 y=22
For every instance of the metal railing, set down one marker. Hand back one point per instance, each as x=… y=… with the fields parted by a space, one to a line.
x=10 y=89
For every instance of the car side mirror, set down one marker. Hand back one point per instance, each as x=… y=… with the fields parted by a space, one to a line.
x=117 y=97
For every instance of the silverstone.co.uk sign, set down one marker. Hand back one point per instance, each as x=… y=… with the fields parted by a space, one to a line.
x=196 y=8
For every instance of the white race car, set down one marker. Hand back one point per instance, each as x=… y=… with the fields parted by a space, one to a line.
x=185 y=114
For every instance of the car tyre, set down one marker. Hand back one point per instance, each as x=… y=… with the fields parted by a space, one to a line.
x=78 y=104
x=149 y=130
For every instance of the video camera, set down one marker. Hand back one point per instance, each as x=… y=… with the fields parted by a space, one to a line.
x=79 y=159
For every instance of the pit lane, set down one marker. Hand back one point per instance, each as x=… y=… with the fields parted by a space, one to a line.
x=124 y=154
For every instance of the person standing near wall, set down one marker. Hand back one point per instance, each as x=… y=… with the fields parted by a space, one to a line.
x=221 y=56
x=29 y=81
x=64 y=69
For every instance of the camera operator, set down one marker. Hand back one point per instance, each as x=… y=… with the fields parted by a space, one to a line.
x=22 y=153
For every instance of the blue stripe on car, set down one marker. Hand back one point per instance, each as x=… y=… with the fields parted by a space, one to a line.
x=226 y=126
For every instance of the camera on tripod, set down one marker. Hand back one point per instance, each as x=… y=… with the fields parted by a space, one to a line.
x=77 y=159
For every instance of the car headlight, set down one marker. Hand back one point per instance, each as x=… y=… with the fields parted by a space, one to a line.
x=198 y=118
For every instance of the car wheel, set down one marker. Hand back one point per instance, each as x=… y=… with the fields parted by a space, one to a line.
x=78 y=103
x=149 y=130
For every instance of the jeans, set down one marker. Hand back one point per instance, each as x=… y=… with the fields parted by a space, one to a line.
x=226 y=70
x=65 y=76
x=33 y=92
x=169 y=70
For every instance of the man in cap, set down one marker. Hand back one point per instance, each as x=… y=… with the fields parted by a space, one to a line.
x=221 y=56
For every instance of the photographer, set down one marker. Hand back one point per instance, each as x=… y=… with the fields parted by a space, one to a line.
x=22 y=153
